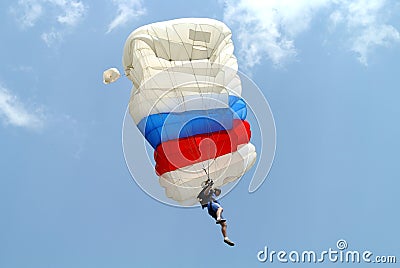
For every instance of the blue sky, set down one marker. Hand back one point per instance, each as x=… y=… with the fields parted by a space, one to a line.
x=329 y=70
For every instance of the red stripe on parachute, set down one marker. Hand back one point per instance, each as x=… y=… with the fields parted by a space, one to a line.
x=178 y=153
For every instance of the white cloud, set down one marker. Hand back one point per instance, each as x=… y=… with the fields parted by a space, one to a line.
x=269 y=28
x=27 y=12
x=126 y=11
x=57 y=13
x=73 y=11
x=365 y=21
x=382 y=35
x=14 y=112
x=23 y=68
x=52 y=37
x=336 y=18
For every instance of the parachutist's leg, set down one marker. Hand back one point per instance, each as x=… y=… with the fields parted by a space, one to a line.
x=223 y=228
x=219 y=211
x=219 y=216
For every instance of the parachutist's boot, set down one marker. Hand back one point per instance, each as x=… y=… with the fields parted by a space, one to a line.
x=229 y=242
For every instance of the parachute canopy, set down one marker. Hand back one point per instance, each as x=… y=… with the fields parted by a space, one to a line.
x=186 y=101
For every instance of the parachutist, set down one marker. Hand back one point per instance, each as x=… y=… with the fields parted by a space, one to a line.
x=208 y=198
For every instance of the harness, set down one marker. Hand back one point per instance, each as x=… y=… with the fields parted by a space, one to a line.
x=202 y=197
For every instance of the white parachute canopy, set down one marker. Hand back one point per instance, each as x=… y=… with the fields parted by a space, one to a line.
x=111 y=75
x=181 y=70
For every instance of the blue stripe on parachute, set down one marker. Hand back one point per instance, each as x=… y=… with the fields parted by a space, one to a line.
x=158 y=128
